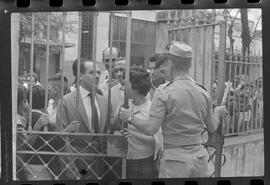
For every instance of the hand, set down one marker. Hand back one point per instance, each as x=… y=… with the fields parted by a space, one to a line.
x=129 y=133
x=124 y=114
x=220 y=111
x=42 y=122
x=114 y=82
x=73 y=127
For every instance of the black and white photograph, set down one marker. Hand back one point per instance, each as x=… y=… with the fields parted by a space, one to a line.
x=137 y=94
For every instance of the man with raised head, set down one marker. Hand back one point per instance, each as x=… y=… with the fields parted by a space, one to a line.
x=85 y=116
x=104 y=77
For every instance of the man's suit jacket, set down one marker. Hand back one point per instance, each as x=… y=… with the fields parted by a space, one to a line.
x=69 y=113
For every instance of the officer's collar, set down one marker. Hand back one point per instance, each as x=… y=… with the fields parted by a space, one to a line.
x=184 y=77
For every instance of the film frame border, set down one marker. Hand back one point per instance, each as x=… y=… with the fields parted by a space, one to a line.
x=8 y=7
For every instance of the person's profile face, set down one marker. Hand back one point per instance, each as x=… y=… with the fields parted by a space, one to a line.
x=120 y=74
x=89 y=69
x=152 y=67
x=165 y=70
x=88 y=81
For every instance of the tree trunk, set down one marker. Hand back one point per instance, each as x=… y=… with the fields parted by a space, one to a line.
x=245 y=35
x=230 y=34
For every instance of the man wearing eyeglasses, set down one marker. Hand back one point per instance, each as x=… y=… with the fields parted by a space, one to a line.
x=104 y=77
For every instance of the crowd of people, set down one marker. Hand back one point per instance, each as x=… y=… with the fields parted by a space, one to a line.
x=244 y=104
x=166 y=113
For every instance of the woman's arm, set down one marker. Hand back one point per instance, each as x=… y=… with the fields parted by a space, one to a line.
x=42 y=121
x=148 y=140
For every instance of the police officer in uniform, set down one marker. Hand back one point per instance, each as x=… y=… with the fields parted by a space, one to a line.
x=182 y=109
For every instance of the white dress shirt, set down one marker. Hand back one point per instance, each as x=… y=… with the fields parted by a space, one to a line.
x=88 y=108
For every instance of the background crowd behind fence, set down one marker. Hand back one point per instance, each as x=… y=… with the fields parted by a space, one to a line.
x=244 y=102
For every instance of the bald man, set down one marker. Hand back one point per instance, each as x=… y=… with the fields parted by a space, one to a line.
x=104 y=77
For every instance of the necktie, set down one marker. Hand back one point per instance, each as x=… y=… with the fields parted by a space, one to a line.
x=95 y=120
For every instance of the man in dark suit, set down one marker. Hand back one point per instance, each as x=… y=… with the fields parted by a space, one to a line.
x=83 y=114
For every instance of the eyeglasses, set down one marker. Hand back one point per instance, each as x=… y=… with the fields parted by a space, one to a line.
x=107 y=60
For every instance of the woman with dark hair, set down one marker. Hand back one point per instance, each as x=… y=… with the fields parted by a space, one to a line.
x=54 y=88
x=35 y=169
x=21 y=127
x=142 y=149
x=21 y=107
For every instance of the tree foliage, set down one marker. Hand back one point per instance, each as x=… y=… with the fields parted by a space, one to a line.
x=56 y=24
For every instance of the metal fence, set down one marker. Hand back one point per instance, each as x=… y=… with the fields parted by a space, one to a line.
x=201 y=39
x=245 y=100
x=52 y=154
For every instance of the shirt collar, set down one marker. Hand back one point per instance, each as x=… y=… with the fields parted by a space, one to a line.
x=184 y=77
x=84 y=92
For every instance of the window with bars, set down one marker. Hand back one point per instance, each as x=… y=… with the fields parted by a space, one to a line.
x=143 y=39
x=87 y=35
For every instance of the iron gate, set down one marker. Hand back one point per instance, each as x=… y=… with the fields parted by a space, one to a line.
x=56 y=154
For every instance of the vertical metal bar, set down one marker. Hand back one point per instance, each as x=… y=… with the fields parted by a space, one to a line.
x=220 y=90
x=15 y=26
x=111 y=29
x=229 y=64
x=251 y=94
x=235 y=96
x=94 y=47
x=79 y=62
x=196 y=53
x=261 y=112
x=239 y=97
x=260 y=103
x=94 y=54
x=203 y=58
x=47 y=63
x=31 y=71
x=127 y=71
x=257 y=90
x=246 y=99
x=128 y=52
x=62 y=61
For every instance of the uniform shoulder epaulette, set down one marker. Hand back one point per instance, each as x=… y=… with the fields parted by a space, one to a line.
x=201 y=86
x=168 y=84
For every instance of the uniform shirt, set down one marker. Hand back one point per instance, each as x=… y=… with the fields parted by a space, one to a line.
x=87 y=105
x=184 y=108
x=136 y=148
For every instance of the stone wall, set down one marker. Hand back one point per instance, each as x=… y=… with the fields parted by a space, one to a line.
x=244 y=155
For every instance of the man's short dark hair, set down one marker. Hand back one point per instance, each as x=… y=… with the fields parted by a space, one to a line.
x=33 y=75
x=140 y=80
x=82 y=66
x=38 y=97
x=57 y=77
x=159 y=59
x=22 y=93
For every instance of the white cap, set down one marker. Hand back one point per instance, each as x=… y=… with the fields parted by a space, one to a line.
x=180 y=49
